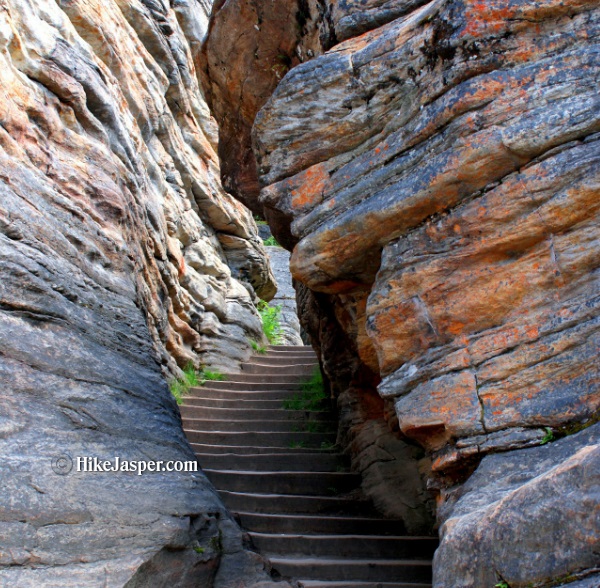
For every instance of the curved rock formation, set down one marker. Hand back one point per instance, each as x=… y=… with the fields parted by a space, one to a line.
x=435 y=170
x=122 y=258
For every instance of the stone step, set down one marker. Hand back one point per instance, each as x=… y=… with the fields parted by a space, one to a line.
x=255 y=426
x=254 y=449
x=262 y=439
x=240 y=395
x=343 y=546
x=292 y=348
x=318 y=524
x=255 y=367
x=296 y=504
x=373 y=569
x=359 y=584
x=256 y=414
x=289 y=377
x=283 y=359
x=230 y=403
x=234 y=385
x=265 y=462
x=306 y=483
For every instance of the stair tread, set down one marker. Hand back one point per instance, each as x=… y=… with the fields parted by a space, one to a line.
x=303 y=517
x=358 y=584
x=348 y=560
x=258 y=449
x=330 y=537
x=283 y=473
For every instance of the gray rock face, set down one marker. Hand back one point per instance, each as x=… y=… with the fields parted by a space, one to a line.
x=121 y=258
x=285 y=297
x=556 y=485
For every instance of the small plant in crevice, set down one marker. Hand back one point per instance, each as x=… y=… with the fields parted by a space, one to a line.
x=192 y=377
x=548 y=437
x=501 y=585
x=315 y=427
x=327 y=445
x=216 y=543
x=181 y=386
x=270 y=316
x=213 y=375
x=297 y=444
x=257 y=347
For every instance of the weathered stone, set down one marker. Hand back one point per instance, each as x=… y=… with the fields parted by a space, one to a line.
x=117 y=245
x=285 y=297
x=528 y=517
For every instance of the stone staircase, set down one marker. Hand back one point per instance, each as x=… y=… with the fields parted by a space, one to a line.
x=278 y=471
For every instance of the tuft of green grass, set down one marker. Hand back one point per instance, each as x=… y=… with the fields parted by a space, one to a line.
x=271 y=242
x=297 y=444
x=311 y=397
x=180 y=387
x=192 y=377
x=314 y=427
x=549 y=436
x=270 y=316
x=501 y=585
x=327 y=445
x=199 y=549
x=258 y=348
x=213 y=375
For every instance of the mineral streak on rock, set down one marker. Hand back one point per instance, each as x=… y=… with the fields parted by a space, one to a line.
x=434 y=167
x=120 y=261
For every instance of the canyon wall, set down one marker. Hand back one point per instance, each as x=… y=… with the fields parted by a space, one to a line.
x=122 y=260
x=434 y=167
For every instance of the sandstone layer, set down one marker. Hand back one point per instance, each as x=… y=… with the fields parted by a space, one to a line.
x=122 y=259
x=434 y=167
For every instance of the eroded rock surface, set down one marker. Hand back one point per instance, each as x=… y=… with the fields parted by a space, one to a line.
x=434 y=167
x=556 y=486
x=285 y=297
x=122 y=258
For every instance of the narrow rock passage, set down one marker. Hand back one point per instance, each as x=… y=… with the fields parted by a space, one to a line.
x=278 y=470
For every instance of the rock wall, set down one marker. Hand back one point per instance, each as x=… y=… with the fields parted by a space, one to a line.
x=434 y=169
x=122 y=259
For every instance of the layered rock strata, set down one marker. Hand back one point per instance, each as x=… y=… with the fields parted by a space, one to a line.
x=122 y=259
x=434 y=166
